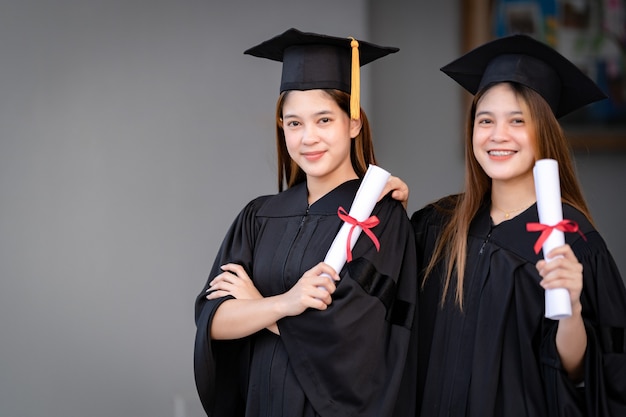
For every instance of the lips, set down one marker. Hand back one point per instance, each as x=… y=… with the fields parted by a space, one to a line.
x=313 y=156
x=500 y=153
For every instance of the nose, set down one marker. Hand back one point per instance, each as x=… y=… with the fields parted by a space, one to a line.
x=499 y=132
x=309 y=135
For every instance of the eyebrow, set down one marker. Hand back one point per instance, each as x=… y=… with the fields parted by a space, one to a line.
x=512 y=113
x=319 y=113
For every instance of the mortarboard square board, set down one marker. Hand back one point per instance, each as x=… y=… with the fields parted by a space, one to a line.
x=316 y=61
x=525 y=60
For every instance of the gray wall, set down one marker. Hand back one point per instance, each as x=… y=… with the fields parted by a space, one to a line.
x=132 y=132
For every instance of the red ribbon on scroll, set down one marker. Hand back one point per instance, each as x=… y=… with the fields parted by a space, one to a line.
x=568 y=226
x=366 y=225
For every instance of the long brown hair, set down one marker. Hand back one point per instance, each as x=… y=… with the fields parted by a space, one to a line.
x=550 y=142
x=361 y=148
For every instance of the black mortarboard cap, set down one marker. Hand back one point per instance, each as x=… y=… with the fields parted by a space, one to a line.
x=314 y=61
x=525 y=60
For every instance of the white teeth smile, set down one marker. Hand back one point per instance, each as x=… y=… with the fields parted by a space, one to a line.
x=501 y=153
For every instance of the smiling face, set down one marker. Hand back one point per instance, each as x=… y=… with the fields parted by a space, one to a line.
x=318 y=136
x=503 y=136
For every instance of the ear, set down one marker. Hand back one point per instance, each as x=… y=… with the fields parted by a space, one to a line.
x=355 y=127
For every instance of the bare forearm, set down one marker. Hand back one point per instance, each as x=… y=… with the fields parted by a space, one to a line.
x=243 y=316
x=235 y=319
x=571 y=343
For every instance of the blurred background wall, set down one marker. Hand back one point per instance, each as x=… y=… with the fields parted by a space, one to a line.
x=131 y=134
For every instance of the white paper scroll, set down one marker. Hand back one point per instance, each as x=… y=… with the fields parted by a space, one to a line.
x=366 y=197
x=548 y=190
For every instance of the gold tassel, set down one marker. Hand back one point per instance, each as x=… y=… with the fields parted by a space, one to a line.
x=355 y=88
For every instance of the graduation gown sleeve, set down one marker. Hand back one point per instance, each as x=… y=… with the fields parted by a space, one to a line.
x=228 y=376
x=603 y=390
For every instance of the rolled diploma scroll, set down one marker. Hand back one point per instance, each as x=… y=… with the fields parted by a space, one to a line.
x=550 y=210
x=366 y=197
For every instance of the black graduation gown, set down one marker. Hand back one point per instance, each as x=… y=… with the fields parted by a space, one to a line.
x=347 y=360
x=498 y=357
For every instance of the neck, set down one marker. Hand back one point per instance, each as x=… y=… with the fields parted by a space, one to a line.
x=319 y=188
x=509 y=200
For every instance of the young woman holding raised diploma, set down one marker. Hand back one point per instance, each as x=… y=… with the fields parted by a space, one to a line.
x=486 y=348
x=276 y=336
